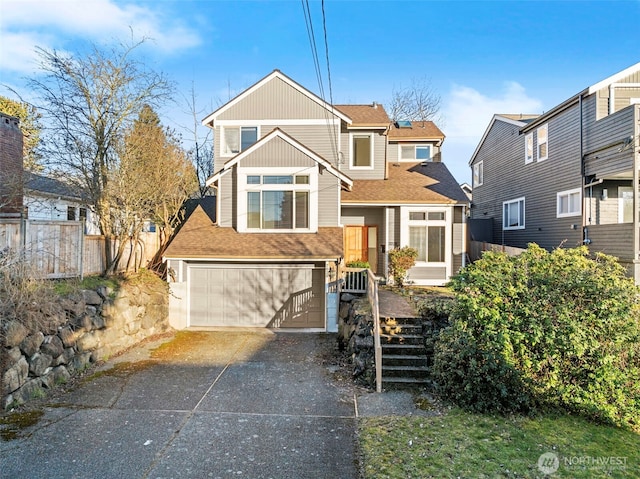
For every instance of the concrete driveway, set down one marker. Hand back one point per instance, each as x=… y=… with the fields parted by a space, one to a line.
x=216 y=404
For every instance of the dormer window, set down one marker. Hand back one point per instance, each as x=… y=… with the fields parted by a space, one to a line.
x=415 y=153
x=236 y=139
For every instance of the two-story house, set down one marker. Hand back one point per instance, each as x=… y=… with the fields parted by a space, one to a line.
x=566 y=177
x=303 y=187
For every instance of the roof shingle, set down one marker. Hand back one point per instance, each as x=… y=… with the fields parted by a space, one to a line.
x=366 y=115
x=408 y=183
x=201 y=238
x=420 y=130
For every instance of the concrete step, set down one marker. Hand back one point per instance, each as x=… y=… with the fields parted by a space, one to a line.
x=408 y=372
x=401 y=339
x=405 y=382
x=395 y=328
x=404 y=360
x=402 y=349
x=406 y=321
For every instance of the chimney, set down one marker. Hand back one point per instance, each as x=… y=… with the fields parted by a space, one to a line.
x=11 y=170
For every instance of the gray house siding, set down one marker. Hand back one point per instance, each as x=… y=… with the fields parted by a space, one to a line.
x=328 y=199
x=506 y=177
x=278 y=153
x=275 y=100
x=226 y=200
x=603 y=155
x=622 y=96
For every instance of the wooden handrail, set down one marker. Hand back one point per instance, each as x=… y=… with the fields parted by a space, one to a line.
x=372 y=295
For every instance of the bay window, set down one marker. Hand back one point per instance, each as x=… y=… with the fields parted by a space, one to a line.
x=427 y=234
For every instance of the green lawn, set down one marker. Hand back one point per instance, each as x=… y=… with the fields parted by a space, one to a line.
x=459 y=444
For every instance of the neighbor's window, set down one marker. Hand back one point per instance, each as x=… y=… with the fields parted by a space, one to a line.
x=528 y=148
x=513 y=214
x=237 y=139
x=71 y=213
x=543 y=142
x=415 y=152
x=478 y=174
x=569 y=203
x=362 y=151
x=285 y=206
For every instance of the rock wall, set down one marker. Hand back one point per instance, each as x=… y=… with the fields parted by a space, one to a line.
x=67 y=336
x=355 y=335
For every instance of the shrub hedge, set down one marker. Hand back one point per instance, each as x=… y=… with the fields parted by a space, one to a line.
x=543 y=328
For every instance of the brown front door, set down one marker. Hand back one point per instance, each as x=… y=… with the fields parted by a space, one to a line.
x=360 y=243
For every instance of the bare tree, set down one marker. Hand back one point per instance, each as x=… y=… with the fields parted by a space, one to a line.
x=201 y=152
x=418 y=101
x=88 y=103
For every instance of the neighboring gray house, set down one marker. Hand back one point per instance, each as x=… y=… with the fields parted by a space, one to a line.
x=46 y=198
x=566 y=177
x=302 y=188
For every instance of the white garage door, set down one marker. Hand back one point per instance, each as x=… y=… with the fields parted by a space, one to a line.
x=282 y=296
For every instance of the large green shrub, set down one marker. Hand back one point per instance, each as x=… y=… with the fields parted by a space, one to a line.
x=546 y=328
x=401 y=260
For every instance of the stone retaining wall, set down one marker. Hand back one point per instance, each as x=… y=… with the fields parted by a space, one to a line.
x=355 y=334
x=74 y=332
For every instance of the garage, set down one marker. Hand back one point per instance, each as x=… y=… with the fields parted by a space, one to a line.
x=271 y=295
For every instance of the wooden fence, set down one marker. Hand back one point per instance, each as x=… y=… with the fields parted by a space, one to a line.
x=59 y=249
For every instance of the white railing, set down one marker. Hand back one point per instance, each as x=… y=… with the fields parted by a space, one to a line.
x=362 y=280
x=355 y=280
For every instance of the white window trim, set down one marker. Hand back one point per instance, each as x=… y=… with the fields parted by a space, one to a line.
x=446 y=222
x=414 y=159
x=238 y=126
x=478 y=171
x=568 y=193
x=528 y=149
x=524 y=208
x=351 y=158
x=244 y=188
x=546 y=128
x=621 y=202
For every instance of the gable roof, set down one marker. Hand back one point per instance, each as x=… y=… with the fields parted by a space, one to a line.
x=275 y=74
x=52 y=187
x=520 y=120
x=200 y=238
x=613 y=78
x=419 y=130
x=278 y=133
x=372 y=115
x=408 y=183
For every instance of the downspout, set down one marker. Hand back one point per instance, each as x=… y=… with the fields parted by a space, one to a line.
x=585 y=233
x=464 y=236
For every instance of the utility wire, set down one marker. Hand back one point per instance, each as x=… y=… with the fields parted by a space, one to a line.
x=333 y=130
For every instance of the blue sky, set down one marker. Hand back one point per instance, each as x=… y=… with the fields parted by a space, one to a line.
x=480 y=57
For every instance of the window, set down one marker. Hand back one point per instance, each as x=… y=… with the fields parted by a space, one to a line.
x=415 y=153
x=625 y=204
x=543 y=142
x=427 y=232
x=569 y=203
x=71 y=213
x=278 y=202
x=362 y=151
x=513 y=214
x=528 y=148
x=237 y=139
x=478 y=174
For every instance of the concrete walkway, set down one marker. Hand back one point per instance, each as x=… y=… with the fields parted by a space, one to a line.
x=394 y=305
x=219 y=404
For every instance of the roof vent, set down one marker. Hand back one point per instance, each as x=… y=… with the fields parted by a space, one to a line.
x=403 y=124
